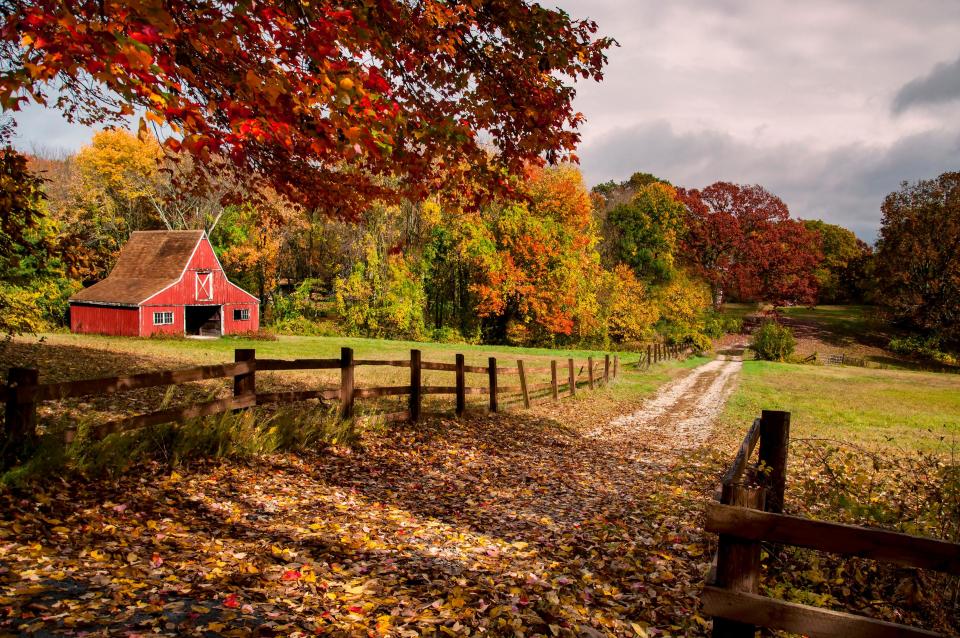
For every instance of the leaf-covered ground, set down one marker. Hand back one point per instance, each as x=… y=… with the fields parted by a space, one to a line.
x=512 y=524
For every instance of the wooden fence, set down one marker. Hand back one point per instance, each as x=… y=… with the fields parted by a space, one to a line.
x=747 y=516
x=24 y=392
x=660 y=352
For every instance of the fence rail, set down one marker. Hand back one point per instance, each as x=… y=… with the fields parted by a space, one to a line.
x=657 y=352
x=24 y=392
x=747 y=516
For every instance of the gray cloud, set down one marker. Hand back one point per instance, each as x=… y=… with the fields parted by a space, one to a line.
x=942 y=84
x=843 y=185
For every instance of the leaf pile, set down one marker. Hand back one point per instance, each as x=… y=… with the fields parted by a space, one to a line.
x=505 y=525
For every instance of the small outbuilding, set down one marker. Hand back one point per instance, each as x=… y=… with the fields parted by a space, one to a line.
x=165 y=282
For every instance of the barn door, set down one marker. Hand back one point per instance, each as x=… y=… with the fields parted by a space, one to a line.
x=204 y=286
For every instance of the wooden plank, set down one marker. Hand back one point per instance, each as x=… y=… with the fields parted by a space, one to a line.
x=346 y=383
x=801 y=619
x=19 y=435
x=492 y=376
x=110 y=385
x=554 y=389
x=571 y=378
x=330 y=394
x=298 y=364
x=396 y=363
x=590 y=371
x=476 y=369
x=523 y=384
x=174 y=415
x=837 y=538
x=739 y=465
x=774 y=444
x=506 y=370
x=606 y=369
x=461 y=384
x=244 y=384
x=416 y=400
x=446 y=367
x=536 y=369
x=383 y=391
x=738 y=563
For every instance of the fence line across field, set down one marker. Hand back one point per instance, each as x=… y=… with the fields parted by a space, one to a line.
x=750 y=514
x=24 y=392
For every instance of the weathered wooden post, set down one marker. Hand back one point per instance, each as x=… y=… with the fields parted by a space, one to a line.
x=738 y=561
x=572 y=376
x=649 y=355
x=590 y=371
x=616 y=365
x=416 y=399
x=492 y=373
x=346 y=383
x=554 y=389
x=245 y=384
x=606 y=369
x=774 y=446
x=523 y=384
x=21 y=416
x=461 y=386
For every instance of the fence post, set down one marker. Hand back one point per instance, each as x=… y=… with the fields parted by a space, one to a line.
x=492 y=372
x=523 y=384
x=649 y=355
x=590 y=371
x=461 y=386
x=738 y=561
x=554 y=389
x=245 y=384
x=606 y=369
x=616 y=365
x=774 y=445
x=415 y=385
x=346 y=383
x=21 y=417
x=571 y=373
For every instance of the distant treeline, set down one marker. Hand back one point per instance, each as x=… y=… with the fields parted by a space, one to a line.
x=554 y=264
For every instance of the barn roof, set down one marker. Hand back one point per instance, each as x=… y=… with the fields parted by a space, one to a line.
x=149 y=262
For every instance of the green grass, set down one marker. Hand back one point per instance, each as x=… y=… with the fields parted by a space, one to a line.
x=844 y=320
x=876 y=408
x=740 y=310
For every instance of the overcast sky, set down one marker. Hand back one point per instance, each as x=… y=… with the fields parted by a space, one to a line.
x=828 y=104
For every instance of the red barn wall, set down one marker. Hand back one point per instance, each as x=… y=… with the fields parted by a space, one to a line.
x=146 y=321
x=184 y=292
x=104 y=320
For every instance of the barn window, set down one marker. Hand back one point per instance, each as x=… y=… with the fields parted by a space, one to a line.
x=241 y=314
x=162 y=318
x=204 y=285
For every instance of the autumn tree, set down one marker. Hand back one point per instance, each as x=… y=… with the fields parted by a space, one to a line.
x=537 y=261
x=917 y=267
x=843 y=273
x=334 y=103
x=741 y=239
x=647 y=231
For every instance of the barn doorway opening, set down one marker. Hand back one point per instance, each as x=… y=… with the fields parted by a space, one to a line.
x=203 y=321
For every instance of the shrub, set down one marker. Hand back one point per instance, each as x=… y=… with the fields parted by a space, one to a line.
x=716 y=324
x=773 y=342
x=929 y=347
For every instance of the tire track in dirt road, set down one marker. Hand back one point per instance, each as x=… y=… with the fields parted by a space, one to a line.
x=680 y=416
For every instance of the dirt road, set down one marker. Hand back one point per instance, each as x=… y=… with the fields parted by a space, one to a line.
x=679 y=417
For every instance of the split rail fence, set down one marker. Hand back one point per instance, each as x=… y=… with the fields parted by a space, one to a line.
x=24 y=392
x=747 y=516
x=660 y=352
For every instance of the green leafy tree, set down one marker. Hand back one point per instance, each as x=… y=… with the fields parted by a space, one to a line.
x=843 y=274
x=648 y=229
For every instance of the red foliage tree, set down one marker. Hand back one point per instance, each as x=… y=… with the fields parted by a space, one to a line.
x=331 y=102
x=741 y=239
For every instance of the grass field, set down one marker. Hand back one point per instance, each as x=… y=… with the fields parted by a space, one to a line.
x=878 y=408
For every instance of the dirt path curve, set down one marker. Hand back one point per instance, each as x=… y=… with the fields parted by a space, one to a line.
x=680 y=415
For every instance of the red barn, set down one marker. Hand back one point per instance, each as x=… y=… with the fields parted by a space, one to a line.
x=165 y=282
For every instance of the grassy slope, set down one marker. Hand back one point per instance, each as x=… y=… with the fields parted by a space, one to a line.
x=878 y=408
